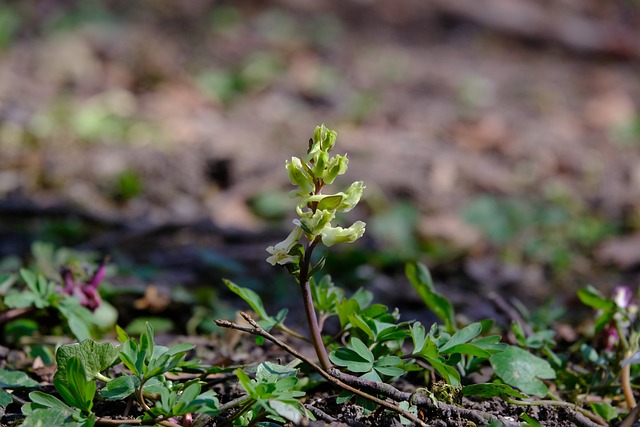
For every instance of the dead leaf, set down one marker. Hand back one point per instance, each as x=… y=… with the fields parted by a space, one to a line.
x=153 y=300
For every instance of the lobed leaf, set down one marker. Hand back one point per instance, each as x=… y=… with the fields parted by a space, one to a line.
x=523 y=370
x=121 y=387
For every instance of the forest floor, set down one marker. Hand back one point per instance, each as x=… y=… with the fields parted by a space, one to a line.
x=506 y=157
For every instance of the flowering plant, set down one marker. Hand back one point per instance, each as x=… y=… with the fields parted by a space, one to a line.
x=316 y=212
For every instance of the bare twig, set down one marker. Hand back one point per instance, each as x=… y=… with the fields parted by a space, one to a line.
x=320 y=414
x=14 y=314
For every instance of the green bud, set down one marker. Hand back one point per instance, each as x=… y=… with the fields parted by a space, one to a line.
x=299 y=175
x=323 y=140
x=333 y=235
x=329 y=140
x=314 y=224
x=280 y=252
x=320 y=161
x=337 y=166
x=352 y=196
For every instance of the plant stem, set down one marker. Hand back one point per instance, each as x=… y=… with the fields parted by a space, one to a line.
x=625 y=381
x=312 y=319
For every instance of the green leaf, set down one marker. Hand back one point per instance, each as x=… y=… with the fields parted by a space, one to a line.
x=180 y=348
x=529 y=421
x=76 y=390
x=330 y=203
x=30 y=279
x=121 y=334
x=50 y=417
x=44 y=400
x=16 y=379
x=491 y=344
x=358 y=322
x=250 y=297
x=79 y=318
x=420 y=279
x=5 y=400
x=521 y=369
x=468 y=349
x=418 y=336
x=593 y=298
x=270 y=372
x=388 y=365
x=20 y=299
x=605 y=410
x=464 y=335
x=6 y=282
x=95 y=357
x=286 y=410
x=121 y=387
x=246 y=383
x=362 y=350
x=490 y=390
x=189 y=395
x=448 y=373
x=351 y=360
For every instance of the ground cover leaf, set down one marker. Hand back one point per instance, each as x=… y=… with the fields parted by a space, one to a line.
x=75 y=388
x=605 y=410
x=95 y=357
x=358 y=359
x=15 y=379
x=250 y=297
x=121 y=387
x=286 y=410
x=523 y=370
x=489 y=390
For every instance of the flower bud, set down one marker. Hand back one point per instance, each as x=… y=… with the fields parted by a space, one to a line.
x=320 y=161
x=333 y=235
x=324 y=138
x=337 y=166
x=299 y=175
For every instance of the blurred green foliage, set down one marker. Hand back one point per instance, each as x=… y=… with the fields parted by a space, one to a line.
x=128 y=185
x=9 y=24
x=551 y=232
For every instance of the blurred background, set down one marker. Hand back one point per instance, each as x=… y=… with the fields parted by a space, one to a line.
x=499 y=140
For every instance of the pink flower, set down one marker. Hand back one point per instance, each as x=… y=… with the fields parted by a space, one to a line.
x=87 y=293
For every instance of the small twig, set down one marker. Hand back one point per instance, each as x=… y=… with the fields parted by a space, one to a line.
x=258 y=330
x=233 y=403
x=631 y=417
x=320 y=414
x=14 y=314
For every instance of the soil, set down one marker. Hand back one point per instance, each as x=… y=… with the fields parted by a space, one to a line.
x=147 y=131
